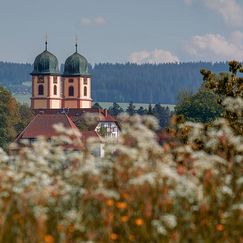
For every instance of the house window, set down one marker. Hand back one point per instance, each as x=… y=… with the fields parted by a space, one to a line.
x=85 y=81
x=85 y=91
x=71 y=91
x=70 y=80
x=55 y=80
x=55 y=90
x=40 y=89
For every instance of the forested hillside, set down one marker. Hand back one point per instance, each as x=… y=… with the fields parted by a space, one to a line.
x=146 y=83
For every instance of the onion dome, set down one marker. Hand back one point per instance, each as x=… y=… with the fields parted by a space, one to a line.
x=45 y=63
x=76 y=65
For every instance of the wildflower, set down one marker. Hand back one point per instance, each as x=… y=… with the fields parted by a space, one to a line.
x=49 y=239
x=121 y=205
x=139 y=222
x=131 y=237
x=114 y=236
x=219 y=227
x=110 y=202
x=124 y=219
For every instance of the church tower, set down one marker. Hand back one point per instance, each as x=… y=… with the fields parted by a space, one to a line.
x=76 y=82
x=46 y=82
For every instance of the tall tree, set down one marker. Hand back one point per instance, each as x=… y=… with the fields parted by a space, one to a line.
x=200 y=107
x=9 y=117
x=115 y=109
x=131 y=109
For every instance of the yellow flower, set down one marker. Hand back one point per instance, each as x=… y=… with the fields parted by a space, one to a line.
x=121 y=205
x=110 y=202
x=113 y=236
x=139 y=222
x=49 y=239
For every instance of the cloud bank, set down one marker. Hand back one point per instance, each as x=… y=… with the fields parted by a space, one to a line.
x=215 y=47
x=153 y=57
x=97 y=21
x=229 y=10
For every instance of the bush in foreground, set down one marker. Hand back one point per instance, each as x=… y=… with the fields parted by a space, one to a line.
x=139 y=192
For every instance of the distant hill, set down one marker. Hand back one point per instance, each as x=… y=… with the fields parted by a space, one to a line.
x=147 y=83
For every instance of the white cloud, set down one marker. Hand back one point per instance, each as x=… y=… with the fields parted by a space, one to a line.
x=97 y=21
x=229 y=10
x=156 y=56
x=215 y=47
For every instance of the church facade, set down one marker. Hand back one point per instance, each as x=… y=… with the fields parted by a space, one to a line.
x=65 y=99
x=53 y=90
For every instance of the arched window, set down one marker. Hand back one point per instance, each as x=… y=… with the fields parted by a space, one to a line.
x=55 y=90
x=85 y=91
x=40 y=89
x=71 y=91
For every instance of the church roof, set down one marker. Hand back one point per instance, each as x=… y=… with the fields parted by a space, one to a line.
x=76 y=65
x=42 y=125
x=46 y=63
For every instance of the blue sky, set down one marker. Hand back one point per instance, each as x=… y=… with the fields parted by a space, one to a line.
x=154 y=31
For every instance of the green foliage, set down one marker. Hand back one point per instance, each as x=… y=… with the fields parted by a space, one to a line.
x=227 y=85
x=25 y=117
x=200 y=107
x=131 y=109
x=96 y=106
x=115 y=109
x=9 y=117
x=162 y=114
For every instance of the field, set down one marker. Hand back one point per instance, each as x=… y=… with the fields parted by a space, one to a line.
x=25 y=98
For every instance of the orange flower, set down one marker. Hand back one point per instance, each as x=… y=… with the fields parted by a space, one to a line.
x=113 y=236
x=121 y=205
x=109 y=202
x=125 y=195
x=219 y=227
x=124 y=218
x=49 y=239
x=131 y=237
x=139 y=222
x=60 y=227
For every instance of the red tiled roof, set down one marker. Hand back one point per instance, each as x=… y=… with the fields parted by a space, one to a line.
x=42 y=125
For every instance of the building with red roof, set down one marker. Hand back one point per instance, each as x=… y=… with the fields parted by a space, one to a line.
x=65 y=99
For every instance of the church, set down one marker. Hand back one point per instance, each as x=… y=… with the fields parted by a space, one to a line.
x=64 y=98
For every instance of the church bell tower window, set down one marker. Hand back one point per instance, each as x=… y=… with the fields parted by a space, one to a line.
x=85 y=91
x=71 y=91
x=55 y=90
x=40 y=89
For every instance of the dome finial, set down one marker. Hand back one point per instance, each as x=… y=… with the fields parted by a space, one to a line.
x=46 y=37
x=76 y=43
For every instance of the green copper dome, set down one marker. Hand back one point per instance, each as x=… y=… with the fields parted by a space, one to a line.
x=45 y=63
x=76 y=65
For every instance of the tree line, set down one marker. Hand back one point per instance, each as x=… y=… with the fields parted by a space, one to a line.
x=163 y=114
x=147 y=83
